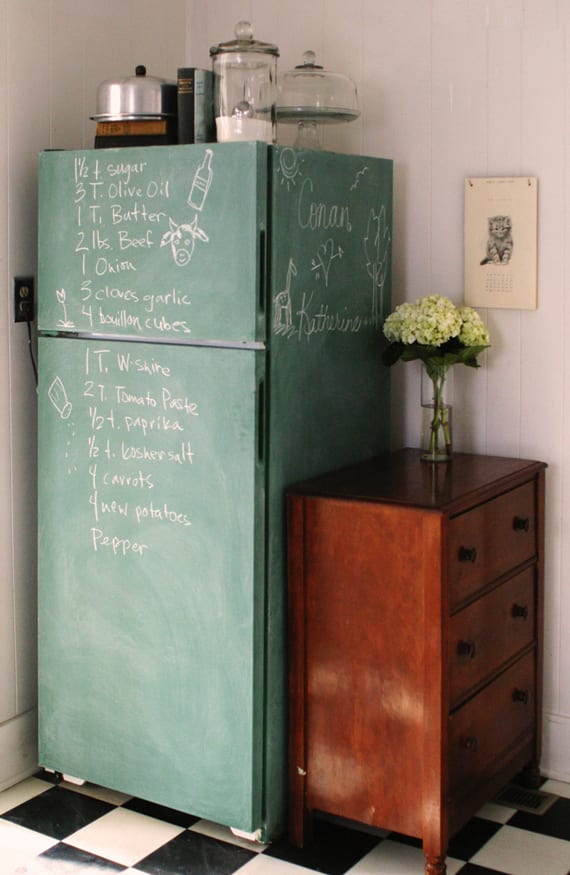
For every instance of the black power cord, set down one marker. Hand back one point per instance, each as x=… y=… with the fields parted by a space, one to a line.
x=31 y=350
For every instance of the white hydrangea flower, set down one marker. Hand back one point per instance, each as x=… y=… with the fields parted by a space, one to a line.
x=431 y=321
x=473 y=331
x=434 y=330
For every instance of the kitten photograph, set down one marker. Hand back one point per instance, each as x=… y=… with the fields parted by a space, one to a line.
x=499 y=240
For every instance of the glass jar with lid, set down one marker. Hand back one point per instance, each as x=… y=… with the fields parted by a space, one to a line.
x=245 y=87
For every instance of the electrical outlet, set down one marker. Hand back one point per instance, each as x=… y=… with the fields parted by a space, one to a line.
x=23 y=299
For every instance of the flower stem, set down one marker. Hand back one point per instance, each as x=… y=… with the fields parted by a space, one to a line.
x=440 y=418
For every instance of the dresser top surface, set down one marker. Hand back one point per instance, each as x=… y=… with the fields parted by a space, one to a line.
x=402 y=477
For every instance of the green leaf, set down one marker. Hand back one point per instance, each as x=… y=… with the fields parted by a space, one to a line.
x=392 y=353
x=416 y=351
x=434 y=357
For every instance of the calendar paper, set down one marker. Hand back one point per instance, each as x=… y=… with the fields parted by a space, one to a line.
x=501 y=242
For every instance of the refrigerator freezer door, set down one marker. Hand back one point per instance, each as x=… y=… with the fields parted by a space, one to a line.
x=329 y=393
x=151 y=548
x=154 y=242
x=331 y=217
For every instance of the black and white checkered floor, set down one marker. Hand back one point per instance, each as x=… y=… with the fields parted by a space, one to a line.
x=62 y=829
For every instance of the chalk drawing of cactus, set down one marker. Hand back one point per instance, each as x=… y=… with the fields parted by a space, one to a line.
x=377 y=250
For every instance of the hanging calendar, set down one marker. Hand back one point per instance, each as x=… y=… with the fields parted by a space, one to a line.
x=501 y=242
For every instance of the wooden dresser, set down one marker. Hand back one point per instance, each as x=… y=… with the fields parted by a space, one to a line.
x=415 y=641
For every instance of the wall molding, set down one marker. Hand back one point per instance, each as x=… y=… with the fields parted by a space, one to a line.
x=18 y=748
x=555 y=761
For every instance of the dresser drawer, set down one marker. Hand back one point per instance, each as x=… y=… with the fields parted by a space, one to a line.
x=489 y=540
x=489 y=632
x=490 y=725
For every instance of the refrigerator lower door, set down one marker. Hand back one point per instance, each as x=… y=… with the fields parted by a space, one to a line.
x=151 y=555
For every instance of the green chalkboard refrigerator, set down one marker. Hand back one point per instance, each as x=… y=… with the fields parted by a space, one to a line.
x=209 y=332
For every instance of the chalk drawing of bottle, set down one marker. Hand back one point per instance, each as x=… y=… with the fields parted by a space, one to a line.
x=201 y=182
x=58 y=397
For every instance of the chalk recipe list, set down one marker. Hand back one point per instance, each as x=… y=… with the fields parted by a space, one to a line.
x=145 y=434
x=130 y=437
x=122 y=215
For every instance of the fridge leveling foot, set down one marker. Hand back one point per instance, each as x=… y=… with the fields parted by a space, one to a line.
x=79 y=782
x=248 y=836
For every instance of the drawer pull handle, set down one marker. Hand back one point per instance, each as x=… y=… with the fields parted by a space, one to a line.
x=521 y=524
x=467 y=554
x=467 y=648
x=521 y=696
x=520 y=611
x=471 y=743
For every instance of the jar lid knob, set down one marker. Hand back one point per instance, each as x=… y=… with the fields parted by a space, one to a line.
x=309 y=59
x=244 y=31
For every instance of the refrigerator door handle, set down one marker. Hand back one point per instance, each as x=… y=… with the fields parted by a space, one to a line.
x=261 y=422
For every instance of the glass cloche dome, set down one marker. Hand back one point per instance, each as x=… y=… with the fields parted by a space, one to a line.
x=309 y=95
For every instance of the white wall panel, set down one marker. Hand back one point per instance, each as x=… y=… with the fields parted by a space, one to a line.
x=563 y=612
x=67 y=45
x=459 y=149
x=563 y=13
x=25 y=109
x=542 y=330
x=538 y=13
x=562 y=607
x=29 y=125
x=503 y=134
x=7 y=618
x=18 y=749
x=508 y=15
x=396 y=123
x=396 y=100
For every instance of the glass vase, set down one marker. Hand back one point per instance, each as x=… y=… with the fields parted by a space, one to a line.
x=436 y=441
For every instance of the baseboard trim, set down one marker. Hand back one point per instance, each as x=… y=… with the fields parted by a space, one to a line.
x=555 y=761
x=18 y=748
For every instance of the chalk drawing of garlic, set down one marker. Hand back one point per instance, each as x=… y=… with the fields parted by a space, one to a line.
x=65 y=322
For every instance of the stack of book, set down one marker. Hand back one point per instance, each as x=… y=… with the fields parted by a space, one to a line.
x=196 y=122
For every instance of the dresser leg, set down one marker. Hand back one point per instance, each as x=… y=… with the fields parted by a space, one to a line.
x=435 y=866
x=300 y=827
x=297 y=832
x=531 y=776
